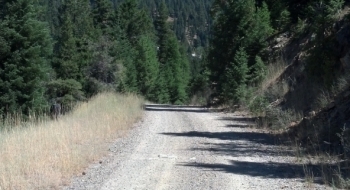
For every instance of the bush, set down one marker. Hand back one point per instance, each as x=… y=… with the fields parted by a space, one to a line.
x=258 y=105
x=281 y=119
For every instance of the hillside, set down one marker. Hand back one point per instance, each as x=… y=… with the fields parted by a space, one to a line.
x=287 y=63
x=191 y=19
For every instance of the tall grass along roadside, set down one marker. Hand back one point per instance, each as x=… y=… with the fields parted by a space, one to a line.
x=44 y=155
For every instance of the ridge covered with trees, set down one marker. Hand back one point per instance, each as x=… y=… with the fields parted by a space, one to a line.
x=68 y=51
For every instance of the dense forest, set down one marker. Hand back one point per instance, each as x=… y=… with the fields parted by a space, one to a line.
x=68 y=51
x=190 y=19
x=241 y=39
x=166 y=51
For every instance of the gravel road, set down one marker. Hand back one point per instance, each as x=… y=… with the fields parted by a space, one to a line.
x=176 y=147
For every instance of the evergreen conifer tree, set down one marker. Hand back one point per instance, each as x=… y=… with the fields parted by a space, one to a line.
x=147 y=67
x=133 y=21
x=73 y=56
x=258 y=71
x=103 y=15
x=235 y=77
x=25 y=47
x=163 y=32
x=237 y=25
x=173 y=64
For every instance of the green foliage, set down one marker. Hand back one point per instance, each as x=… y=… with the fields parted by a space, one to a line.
x=191 y=22
x=237 y=25
x=133 y=21
x=322 y=59
x=24 y=58
x=284 y=19
x=258 y=105
x=98 y=45
x=173 y=60
x=67 y=92
x=163 y=32
x=65 y=62
x=280 y=15
x=258 y=71
x=260 y=28
x=299 y=28
x=103 y=15
x=147 y=67
x=235 y=78
x=322 y=15
x=161 y=88
x=102 y=72
x=72 y=55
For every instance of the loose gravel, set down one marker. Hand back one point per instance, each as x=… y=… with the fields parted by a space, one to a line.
x=193 y=148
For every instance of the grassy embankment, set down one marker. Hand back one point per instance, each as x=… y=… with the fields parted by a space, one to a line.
x=45 y=154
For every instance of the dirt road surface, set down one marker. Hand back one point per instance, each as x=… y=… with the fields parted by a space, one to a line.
x=184 y=148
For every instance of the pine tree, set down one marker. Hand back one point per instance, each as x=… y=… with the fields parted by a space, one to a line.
x=258 y=71
x=237 y=24
x=124 y=58
x=25 y=47
x=165 y=77
x=73 y=56
x=163 y=32
x=184 y=74
x=131 y=24
x=147 y=67
x=102 y=72
x=173 y=63
x=322 y=15
x=51 y=15
x=236 y=77
x=65 y=64
x=161 y=88
x=173 y=70
x=260 y=27
x=280 y=15
x=231 y=23
x=133 y=21
x=322 y=59
x=103 y=15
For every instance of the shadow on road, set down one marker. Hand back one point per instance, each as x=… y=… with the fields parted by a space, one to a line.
x=235 y=149
x=175 y=108
x=269 y=155
x=240 y=119
x=240 y=142
x=261 y=138
x=260 y=169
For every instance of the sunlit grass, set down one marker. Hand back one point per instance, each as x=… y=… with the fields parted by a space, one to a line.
x=46 y=154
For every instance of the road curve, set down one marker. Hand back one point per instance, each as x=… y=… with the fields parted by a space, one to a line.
x=183 y=147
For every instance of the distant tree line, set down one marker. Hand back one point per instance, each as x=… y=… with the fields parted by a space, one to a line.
x=68 y=51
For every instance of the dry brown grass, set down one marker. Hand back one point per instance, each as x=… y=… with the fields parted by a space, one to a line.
x=274 y=71
x=46 y=155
